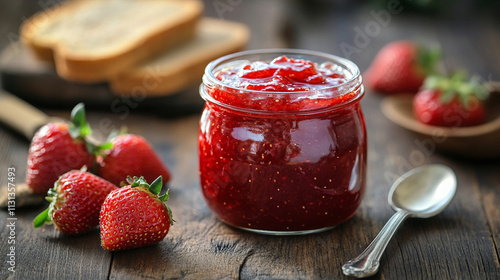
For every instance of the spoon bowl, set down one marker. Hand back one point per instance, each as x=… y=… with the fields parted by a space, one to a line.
x=436 y=187
x=422 y=192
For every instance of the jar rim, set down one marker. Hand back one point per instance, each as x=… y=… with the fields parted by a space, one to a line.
x=349 y=85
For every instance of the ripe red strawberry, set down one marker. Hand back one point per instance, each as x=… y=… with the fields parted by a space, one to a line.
x=56 y=149
x=450 y=102
x=75 y=202
x=134 y=216
x=131 y=155
x=400 y=67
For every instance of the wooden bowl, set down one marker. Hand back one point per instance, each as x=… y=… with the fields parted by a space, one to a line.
x=475 y=142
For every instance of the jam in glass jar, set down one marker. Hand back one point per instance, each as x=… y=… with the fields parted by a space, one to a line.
x=282 y=140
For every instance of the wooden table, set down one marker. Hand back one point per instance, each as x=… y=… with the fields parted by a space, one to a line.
x=460 y=243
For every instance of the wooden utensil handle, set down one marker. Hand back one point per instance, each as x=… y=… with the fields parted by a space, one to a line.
x=21 y=116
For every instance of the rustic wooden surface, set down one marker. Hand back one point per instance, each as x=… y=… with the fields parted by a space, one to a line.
x=461 y=243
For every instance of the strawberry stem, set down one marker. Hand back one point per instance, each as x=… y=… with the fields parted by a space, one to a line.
x=80 y=129
x=428 y=58
x=155 y=187
x=80 y=126
x=46 y=216
x=164 y=197
x=139 y=182
x=42 y=218
x=456 y=87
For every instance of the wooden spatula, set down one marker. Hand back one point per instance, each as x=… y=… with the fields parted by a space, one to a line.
x=21 y=116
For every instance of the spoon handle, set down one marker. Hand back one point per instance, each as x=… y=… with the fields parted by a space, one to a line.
x=367 y=263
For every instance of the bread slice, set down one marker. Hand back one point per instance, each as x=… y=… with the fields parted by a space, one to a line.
x=92 y=40
x=184 y=64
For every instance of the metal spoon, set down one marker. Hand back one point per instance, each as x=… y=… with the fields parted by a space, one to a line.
x=420 y=193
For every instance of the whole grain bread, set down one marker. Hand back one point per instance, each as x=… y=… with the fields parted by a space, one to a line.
x=93 y=40
x=184 y=64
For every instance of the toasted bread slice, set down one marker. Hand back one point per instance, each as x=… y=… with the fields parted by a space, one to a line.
x=184 y=64
x=93 y=40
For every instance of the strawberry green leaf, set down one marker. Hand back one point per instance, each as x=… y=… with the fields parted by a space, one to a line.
x=432 y=82
x=139 y=182
x=447 y=96
x=42 y=218
x=456 y=87
x=155 y=187
x=105 y=146
x=46 y=215
x=80 y=129
x=52 y=193
x=164 y=197
x=427 y=58
x=170 y=215
x=80 y=126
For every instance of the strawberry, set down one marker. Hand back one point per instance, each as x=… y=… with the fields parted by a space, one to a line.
x=401 y=67
x=56 y=149
x=75 y=202
x=131 y=155
x=450 y=101
x=134 y=216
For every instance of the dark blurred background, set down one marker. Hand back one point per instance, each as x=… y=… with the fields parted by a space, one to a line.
x=468 y=31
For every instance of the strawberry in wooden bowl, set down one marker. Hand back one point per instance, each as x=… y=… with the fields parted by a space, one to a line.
x=450 y=115
x=450 y=102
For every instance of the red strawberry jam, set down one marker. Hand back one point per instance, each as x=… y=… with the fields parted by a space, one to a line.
x=282 y=142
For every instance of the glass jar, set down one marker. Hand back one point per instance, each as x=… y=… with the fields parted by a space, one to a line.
x=282 y=163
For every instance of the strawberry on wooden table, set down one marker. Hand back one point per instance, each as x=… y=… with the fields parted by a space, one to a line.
x=131 y=155
x=401 y=67
x=58 y=148
x=451 y=102
x=75 y=202
x=135 y=216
